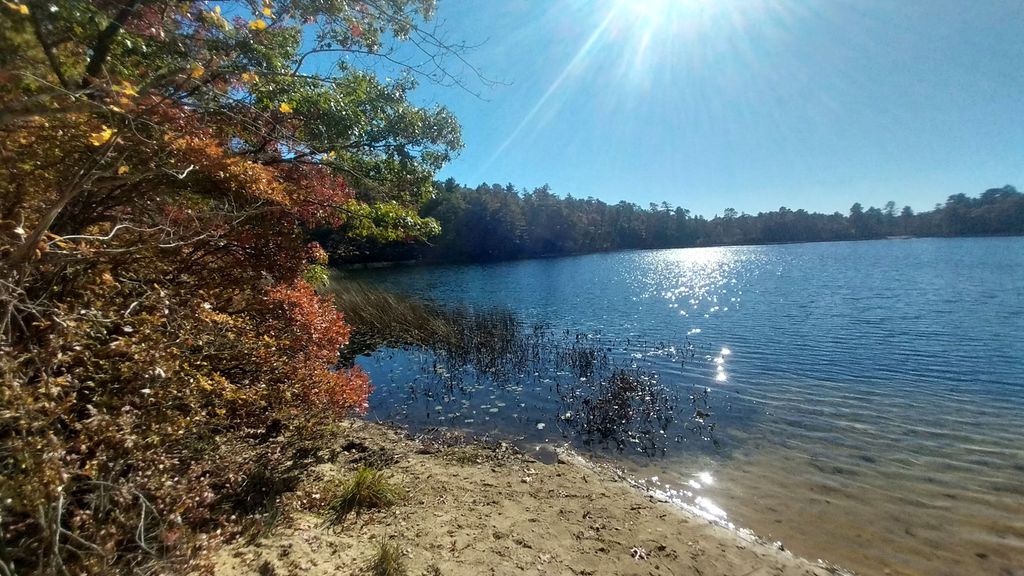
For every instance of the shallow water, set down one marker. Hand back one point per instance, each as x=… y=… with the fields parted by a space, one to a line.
x=868 y=397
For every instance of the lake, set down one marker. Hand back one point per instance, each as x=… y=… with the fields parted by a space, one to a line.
x=861 y=402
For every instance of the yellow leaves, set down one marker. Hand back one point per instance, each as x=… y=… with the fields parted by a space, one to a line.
x=258 y=24
x=127 y=89
x=122 y=170
x=332 y=155
x=267 y=12
x=286 y=108
x=197 y=71
x=19 y=8
x=250 y=77
x=216 y=17
x=102 y=137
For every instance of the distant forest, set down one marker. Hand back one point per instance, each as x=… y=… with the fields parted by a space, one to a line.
x=490 y=223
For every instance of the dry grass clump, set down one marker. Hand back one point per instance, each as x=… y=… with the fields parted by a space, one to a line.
x=368 y=489
x=387 y=560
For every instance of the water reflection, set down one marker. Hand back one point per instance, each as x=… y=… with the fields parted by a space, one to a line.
x=595 y=391
x=875 y=384
x=690 y=497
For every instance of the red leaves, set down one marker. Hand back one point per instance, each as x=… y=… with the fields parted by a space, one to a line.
x=316 y=194
x=309 y=332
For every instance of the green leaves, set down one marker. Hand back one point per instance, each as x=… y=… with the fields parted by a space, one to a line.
x=387 y=222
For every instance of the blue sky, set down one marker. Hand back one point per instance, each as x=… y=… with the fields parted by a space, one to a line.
x=750 y=104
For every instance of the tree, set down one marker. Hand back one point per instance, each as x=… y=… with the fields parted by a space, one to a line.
x=161 y=162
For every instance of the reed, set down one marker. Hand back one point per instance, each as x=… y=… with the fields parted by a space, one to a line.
x=605 y=397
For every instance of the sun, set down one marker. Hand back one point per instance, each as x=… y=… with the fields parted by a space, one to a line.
x=653 y=34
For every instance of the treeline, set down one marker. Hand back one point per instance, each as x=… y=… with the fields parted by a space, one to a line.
x=494 y=222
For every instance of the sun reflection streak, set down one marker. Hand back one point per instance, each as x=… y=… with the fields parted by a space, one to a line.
x=691 y=499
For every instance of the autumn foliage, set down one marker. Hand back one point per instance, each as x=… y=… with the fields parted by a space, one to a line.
x=161 y=165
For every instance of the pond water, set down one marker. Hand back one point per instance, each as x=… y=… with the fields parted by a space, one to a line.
x=860 y=402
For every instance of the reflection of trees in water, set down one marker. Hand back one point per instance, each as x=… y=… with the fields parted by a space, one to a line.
x=607 y=390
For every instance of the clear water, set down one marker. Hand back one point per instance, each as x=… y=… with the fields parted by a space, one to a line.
x=869 y=396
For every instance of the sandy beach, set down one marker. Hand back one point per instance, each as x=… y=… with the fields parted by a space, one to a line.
x=487 y=508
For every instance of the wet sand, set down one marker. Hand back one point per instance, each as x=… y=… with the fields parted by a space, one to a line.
x=486 y=508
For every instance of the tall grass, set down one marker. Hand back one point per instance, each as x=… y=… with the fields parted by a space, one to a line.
x=491 y=340
x=381 y=318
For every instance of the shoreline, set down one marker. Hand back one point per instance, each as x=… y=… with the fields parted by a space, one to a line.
x=472 y=507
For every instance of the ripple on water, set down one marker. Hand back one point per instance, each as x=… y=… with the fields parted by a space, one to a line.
x=870 y=409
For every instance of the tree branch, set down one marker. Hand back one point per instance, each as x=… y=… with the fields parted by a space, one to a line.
x=105 y=41
x=51 y=55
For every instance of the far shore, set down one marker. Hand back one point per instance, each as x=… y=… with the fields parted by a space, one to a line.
x=475 y=508
x=385 y=264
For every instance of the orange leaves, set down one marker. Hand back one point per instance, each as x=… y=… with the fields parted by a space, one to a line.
x=234 y=174
x=311 y=331
x=340 y=392
x=126 y=88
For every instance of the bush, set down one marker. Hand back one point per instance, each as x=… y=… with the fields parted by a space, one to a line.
x=160 y=169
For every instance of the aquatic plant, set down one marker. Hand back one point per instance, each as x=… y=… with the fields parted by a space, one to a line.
x=627 y=407
x=607 y=391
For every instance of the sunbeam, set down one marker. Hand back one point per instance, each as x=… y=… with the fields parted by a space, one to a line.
x=577 y=61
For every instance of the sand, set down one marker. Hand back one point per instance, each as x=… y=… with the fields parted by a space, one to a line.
x=486 y=508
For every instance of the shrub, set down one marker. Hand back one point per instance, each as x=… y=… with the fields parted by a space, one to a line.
x=160 y=168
